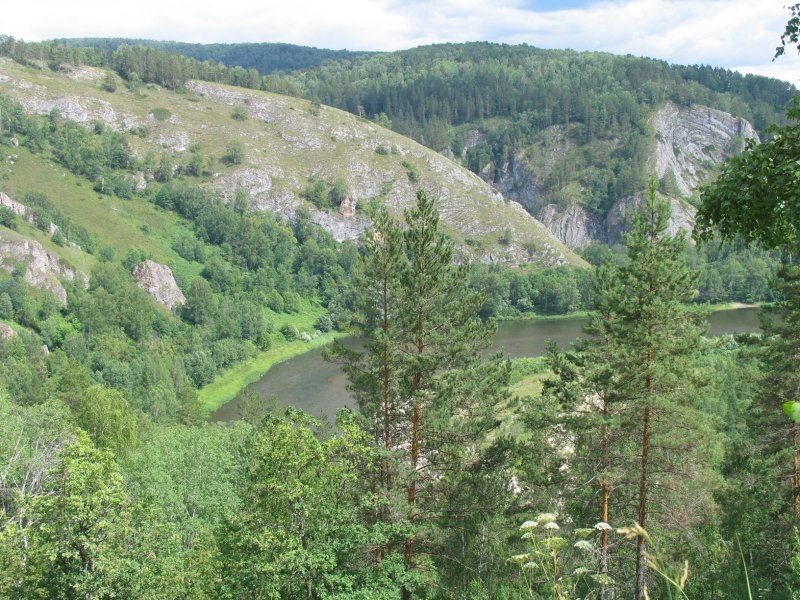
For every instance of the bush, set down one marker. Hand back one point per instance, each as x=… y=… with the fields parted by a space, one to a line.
x=109 y=83
x=8 y=217
x=411 y=171
x=324 y=323
x=234 y=153
x=290 y=332
x=160 y=114
x=239 y=114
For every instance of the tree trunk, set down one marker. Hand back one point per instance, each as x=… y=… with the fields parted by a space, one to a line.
x=641 y=559
x=605 y=493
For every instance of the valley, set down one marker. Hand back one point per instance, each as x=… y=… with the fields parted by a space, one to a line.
x=275 y=322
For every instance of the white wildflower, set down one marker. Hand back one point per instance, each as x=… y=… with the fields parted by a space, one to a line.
x=583 y=545
x=546 y=517
x=529 y=525
x=603 y=526
x=552 y=525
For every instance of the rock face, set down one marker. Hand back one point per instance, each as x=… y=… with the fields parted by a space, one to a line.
x=13 y=206
x=158 y=281
x=574 y=226
x=6 y=332
x=692 y=140
x=43 y=269
x=620 y=216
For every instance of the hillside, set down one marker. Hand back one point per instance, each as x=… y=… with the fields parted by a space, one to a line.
x=571 y=135
x=287 y=146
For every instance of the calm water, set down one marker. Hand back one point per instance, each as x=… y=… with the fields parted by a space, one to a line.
x=315 y=386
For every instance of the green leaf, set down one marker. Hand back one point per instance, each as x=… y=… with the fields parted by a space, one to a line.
x=792 y=410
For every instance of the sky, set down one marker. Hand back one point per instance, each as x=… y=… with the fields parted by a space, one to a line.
x=735 y=34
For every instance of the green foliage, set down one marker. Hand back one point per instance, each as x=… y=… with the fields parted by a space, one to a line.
x=298 y=533
x=160 y=114
x=105 y=415
x=239 y=113
x=235 y=152
x=8 y=217
x=754 y=195
x=325 y=195
x=81 y=521
x=109 y=83
x=411 y=171
x=290 y=332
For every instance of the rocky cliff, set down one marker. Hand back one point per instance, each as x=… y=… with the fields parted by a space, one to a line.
x=690 y=144
x=43 y=269
x=692 y=141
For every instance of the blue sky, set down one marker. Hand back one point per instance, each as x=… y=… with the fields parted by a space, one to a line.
x=738 y=34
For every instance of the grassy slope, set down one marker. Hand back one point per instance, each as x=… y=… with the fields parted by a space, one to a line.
x=285 y=144
x=115 y=223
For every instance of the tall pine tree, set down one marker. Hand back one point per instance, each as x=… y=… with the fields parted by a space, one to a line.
x=638 y=434
x=421 y=382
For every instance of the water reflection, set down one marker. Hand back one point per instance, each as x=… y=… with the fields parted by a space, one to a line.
x=309 y=383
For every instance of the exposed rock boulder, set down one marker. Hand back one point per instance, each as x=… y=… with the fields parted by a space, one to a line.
x=158 y=281
x=6 y=332
x=695 y=139
x=43 y=268
x=13 y=206
x=22 y=210
x=348 y=207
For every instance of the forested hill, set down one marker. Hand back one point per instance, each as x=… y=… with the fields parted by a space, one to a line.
x=462 y=83
x=265 y=57
x=485 y=101
x=570 y=135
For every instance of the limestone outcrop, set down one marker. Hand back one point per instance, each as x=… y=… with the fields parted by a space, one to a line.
x=691 y=142
x=157 y=280
x=43 y=269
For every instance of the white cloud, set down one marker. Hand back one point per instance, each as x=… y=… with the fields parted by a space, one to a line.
x=720 y=33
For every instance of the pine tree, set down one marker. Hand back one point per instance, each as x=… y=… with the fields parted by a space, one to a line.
x=638 y=434
x=421 y=382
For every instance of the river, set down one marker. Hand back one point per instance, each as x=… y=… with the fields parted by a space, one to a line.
x=309 y=383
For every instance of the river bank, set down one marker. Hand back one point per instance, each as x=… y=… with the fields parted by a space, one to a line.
x=308 y=383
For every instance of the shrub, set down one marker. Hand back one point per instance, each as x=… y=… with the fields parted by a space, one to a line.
x=324 y=323
x=234 y=153
x=8 y=217
x=160 y=114
x=290 y=332
x=239 y=114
